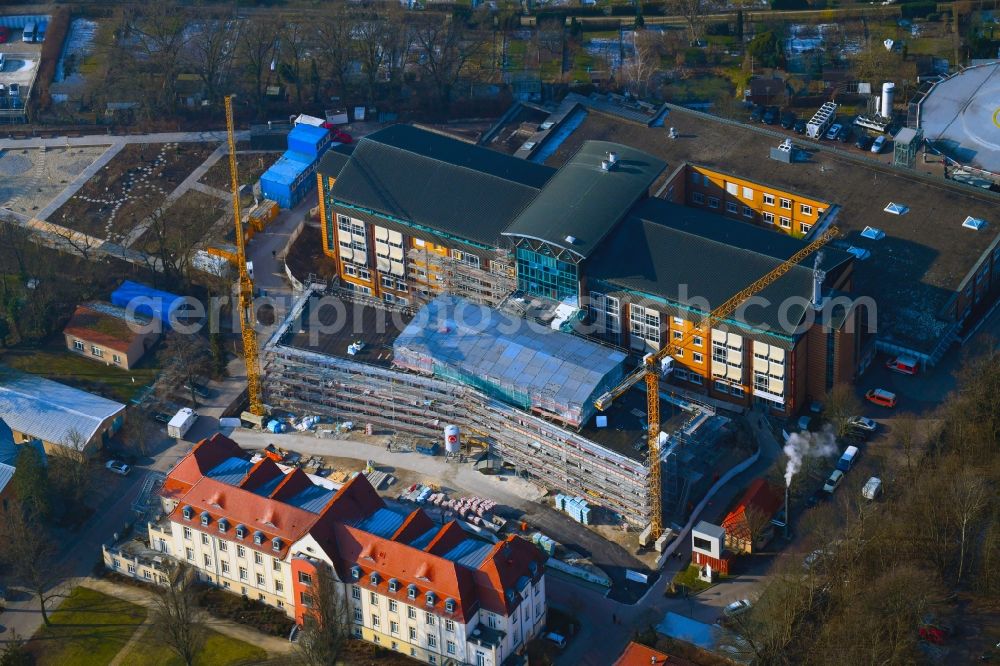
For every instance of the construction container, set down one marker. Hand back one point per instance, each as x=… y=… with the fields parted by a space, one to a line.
x=308 y=140
x=147 y=301
x=289 y=179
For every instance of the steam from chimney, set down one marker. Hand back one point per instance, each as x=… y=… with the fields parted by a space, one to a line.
x=801 y=445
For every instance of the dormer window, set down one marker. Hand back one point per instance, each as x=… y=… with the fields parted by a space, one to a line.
x=241 y=531
x=374 y=578
x=393 y=585
x=276 y=543
x=258 y=538
x=223 y=524
x=430 y=598
x=188 y=513
x=411 y=591
x=205 y=518
x=356 y=572
x=449 y=605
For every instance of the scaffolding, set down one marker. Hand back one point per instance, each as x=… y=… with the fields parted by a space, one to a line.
x=304 y=381
x=434 y=272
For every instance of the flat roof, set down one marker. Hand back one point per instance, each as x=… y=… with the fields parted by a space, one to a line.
x=340 y=327
x=959 y=118
x=435 y=181
x=581 y=203
x=288 y=168
x=913 y=272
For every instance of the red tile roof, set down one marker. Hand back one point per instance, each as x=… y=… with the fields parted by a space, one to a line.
x=762 y=496
x=637 y=654
x=205 y=455
x=415 y=524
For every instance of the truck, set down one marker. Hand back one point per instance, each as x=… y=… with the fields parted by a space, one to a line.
x=181 y=422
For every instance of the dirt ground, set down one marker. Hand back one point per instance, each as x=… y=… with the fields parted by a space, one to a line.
x=306 y=255
x=129 y=188
x=249 y=165
x=190 y=218
x=30 y=178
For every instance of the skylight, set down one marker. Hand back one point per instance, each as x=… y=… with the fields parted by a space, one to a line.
x=859 y=252
x=873 y=233
x=896 y=209
x=975 y=223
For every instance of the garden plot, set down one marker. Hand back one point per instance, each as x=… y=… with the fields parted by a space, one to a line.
x=129 y=188
x=31 y=177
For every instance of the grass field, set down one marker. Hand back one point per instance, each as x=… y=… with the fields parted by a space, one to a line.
x=689 y=578
x=218 y=650
x=88 y=629
x=53 y=361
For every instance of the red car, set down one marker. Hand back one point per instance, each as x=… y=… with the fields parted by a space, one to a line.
x=881 y=397
x=4 y=34
x=904 y=365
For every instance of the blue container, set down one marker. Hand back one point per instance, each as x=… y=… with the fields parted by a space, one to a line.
x=146 y=301
x=308 y=140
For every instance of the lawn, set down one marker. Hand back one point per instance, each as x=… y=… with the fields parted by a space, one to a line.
x=689 y=579
x=88 y=629
x=53 y=361
x=700 y=89
x=218 y=650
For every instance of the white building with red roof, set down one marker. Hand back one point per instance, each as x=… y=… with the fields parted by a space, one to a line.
x=434 y=592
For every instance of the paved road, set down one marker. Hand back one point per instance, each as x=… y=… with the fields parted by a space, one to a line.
x=109 y=139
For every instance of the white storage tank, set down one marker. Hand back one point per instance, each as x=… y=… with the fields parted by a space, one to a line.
x=888 y=97
x=452 y=443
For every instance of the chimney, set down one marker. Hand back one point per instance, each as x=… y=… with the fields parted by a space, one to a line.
x=818 y=277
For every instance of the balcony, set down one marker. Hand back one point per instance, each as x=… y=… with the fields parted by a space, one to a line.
x=485 y=636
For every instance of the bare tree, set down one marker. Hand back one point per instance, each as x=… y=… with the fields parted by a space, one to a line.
x=258 y=39
x=137 y=433
x=71 y=472
x=325 y=628
x=693 y=12
x=29 y=555
x=638 y=70
x=446 y=48
x=371 y=35
x=841 y=404
x=967 y=497
x=904 y=430
x=160 y=43
x=757 y=523
x=188 y=359
x=175 y=615
x=294 y=48
x=210 y=53
x=334 y=34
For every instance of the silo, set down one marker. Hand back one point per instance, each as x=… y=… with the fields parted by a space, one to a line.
x=888 y=97
x=452 y=444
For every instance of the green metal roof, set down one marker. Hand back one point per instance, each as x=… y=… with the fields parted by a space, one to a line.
x=441 y=183
x=583 y=201
x=335 y=159
x=693 y=257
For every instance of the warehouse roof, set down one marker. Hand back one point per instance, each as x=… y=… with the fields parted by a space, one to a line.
x=500 y=350
x=584 y=201
x=914 y=271
x=50 y=411
x=434 y=181
x=663 y=249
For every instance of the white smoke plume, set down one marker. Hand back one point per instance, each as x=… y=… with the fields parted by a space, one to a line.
x=804 y=444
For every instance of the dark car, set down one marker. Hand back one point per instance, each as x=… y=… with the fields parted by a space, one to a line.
x=771 y=115
x=160 y=417
x=845 y=134
x=788 y=120
x=201 y=391
x=757 y=113
x=799 y=126
x=864 y=142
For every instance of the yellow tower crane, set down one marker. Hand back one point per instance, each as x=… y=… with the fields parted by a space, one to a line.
x=649 y=370
x=247 y=319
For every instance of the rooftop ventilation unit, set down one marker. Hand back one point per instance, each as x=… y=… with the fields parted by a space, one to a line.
x=896 y=209
x=613 y=157
x=873 y=233
x=974 y=223
x=606 y=165
x=571 y=240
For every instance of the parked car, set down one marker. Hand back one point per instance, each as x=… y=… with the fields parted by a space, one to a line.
x=864 y=142
x=771 y=115
x=845 y=134
x=4 y=34
x=737 y=608
x=904 y=365
x=757 y=113
x=872 y=489
x=804 y=422
x=14 y=90
x=881 y=397
x=788 y=120
x=800 y=126
x=161 y=417
x=813 y=558
x=862 y=423
x=878 y=144
x=834 y=130
x=836 y=477
x=118 y=467
x=201 y=391
x=558 y=639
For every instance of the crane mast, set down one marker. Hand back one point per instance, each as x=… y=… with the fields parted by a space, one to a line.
x=247 y=319
x=649 y=369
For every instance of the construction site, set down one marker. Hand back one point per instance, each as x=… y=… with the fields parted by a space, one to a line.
x=420 y=373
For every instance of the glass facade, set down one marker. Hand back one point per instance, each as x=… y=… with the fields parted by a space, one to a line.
x=541 y=274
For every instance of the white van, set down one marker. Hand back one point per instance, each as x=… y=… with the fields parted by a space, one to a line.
x=847 y=460
x=30 y=32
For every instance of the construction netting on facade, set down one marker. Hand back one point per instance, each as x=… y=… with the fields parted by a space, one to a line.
x=520 y=362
